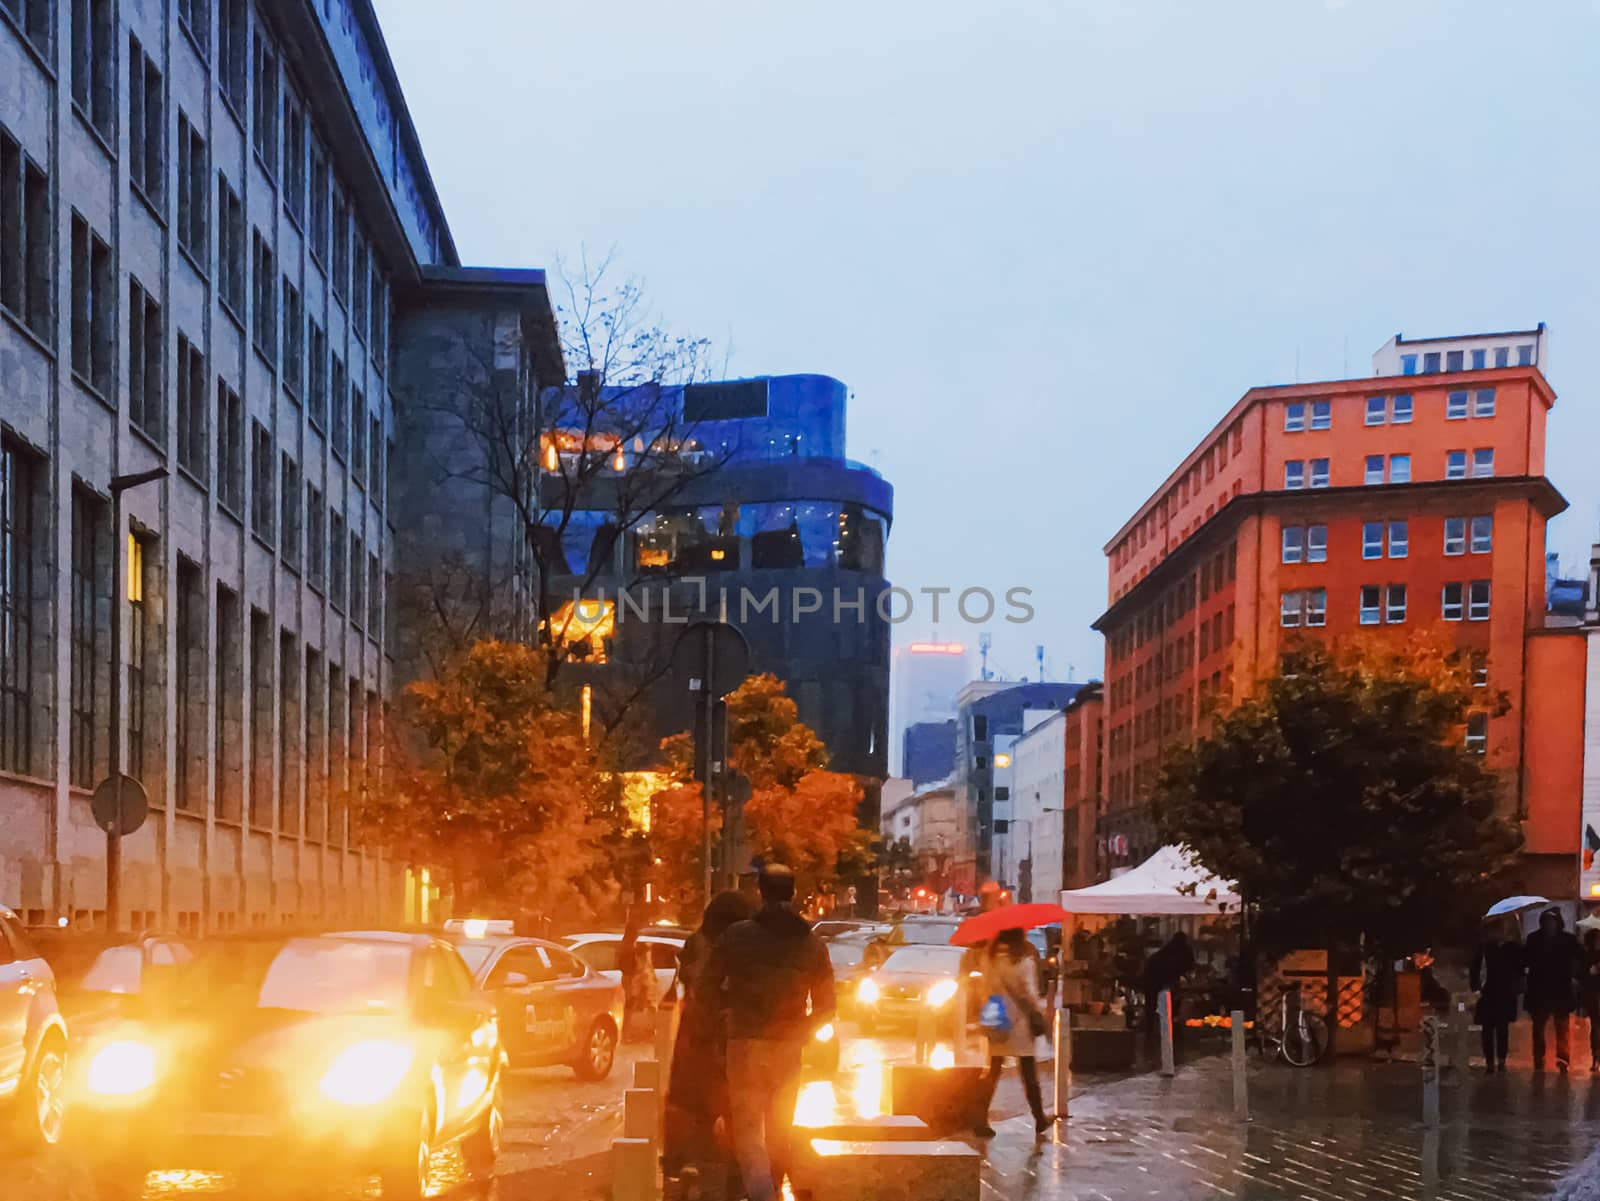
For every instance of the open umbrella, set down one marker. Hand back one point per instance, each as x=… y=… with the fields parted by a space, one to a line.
x=1514 y=905
x=986 y=926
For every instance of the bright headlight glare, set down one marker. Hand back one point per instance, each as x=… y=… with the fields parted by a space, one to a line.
x=122 y=1068
x=941 y=993
x=366 y=1072
x=868 y=992
x=825 y=1032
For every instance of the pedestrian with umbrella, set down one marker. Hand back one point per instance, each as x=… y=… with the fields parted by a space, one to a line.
x=1497 y=979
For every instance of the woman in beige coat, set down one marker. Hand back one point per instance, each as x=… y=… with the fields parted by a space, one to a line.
x=1013 y=976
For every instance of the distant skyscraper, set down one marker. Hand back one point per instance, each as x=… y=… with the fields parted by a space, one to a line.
x=926 y=678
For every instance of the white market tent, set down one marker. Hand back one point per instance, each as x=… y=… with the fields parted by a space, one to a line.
x=1157 y=886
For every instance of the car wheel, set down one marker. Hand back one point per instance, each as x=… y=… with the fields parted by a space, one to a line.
x=599 y=1052
x=482 y=1146
x=43 y=1096
x=405 y=1171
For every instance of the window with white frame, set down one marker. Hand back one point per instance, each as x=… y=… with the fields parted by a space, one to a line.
x=1399 y=469
x=1478 y=600
x=1455 y=465
x=1377 y=410
x=1455 y=406
x=1452 y=602
x=1525 y=355
x=1399 y=540
x=1480 y=359
x=1483 y=462
x=1294 y=417
x=1372 y=540
x=1321 y=414
x=1477 y=733
x=1316 y=544
x=1294 y=543
x=1482 y=535
x=1319 y=473
x=1292 y=612
x=1394 y=611
x=1317 y=607
x=1294 y=473
x=1455 y=360
x=1483 y=402
x=1371 y=604
x=1480 y=669
x=1400 y=412
x=1455 y=535
x=1502 y=356
x=1374 y=473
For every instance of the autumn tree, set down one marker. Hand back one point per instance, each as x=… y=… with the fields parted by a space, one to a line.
x=496 y=785
x=1339 y=795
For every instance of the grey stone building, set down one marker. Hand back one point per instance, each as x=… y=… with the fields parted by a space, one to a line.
x=211 y=213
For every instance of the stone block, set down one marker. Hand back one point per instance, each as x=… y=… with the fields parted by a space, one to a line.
x=925 y=1170
x=947 y=1099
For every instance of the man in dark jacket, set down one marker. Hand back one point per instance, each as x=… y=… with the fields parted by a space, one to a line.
x=1551 y=960
x=1164 y=973
x=775 y=982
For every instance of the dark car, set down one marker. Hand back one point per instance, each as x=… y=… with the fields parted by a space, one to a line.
x=33 y=1038
x=361 y=1051
x=916 y=981
x=552 y=1007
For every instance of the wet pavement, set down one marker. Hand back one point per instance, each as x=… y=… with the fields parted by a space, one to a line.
x=1351 y=1132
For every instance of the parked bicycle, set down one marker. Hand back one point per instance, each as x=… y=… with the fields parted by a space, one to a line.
x=1300 y=1036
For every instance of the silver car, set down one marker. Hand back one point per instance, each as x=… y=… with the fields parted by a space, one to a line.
x=33 y=1038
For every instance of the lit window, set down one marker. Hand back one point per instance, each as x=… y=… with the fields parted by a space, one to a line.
x=1319 y=473
x=1399 y=540
x=1455 y=465
x=1395 y=610
x=1321 y=414
x=1452 y=605
x=1525 y=355
x=1317 y=544
x=1317 y=607
x=1401 y=411
x=1294 y=417
x=1477 y=733
x=584 y=627
x=1455 y=535
x=1408 y=364
x=1502 y=356
x=1455 y=406
x=1294 y=538
x=1372 y=540
x=1482 y=535
x=1371 y=600
x=1483 y=402
x=1480 y=359
x=1483 y=462
x=1374 y=469
x=1478 y=601
x=1377 y=410
x=1290 y=615
x=1399 y=469
x=1294 y=473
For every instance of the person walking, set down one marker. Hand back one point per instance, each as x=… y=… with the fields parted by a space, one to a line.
x=1589 y=993
x=774 y=981
x=1496 y=977
x=1012 y=979
x=1164 y=973
x=1551 y=956
x=697 y=1087
x=638 y=982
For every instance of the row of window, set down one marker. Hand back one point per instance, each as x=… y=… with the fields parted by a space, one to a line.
x=1388 y=539
x=1387 y=410
x=1385 y=604
x=1433 y=361
x=24 y=655
x=1390 y=469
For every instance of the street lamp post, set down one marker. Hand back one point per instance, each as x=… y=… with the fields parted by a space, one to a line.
x=119 y=485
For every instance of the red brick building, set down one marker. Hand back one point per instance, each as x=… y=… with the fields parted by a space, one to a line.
x=1368 y=507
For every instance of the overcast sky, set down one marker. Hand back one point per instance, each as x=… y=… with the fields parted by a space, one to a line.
x=1046 y=244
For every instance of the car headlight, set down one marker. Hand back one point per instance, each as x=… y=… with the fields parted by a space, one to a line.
x=122 y=1068
x=940 y=993
x=366 y=1072
x=868 y=992
x=825 y=1032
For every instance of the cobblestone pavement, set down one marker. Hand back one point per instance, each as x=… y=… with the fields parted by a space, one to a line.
x=1349 y=1132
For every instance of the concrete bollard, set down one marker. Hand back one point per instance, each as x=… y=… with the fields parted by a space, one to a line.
x=1461 y=1023
x=633 y=1170
x=925 y=1034
x=1241 y=1079
x=640 y=1115
x=1063 y=1041
x=647 y=1074
x=1430 y=1071
x=1169 y=1065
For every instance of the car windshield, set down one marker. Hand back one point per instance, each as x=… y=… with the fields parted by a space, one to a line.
x=474 y=954
x=924 y=959
x=846 y=954
x=310 y=975
x=928 y=932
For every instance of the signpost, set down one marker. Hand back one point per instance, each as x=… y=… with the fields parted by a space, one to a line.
x=716 y=658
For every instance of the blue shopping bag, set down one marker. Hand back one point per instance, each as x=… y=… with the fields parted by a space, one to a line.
x=994 y=1017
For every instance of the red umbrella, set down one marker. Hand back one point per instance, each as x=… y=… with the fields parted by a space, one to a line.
x=985 y=926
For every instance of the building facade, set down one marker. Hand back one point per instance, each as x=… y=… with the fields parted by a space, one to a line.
x=1029 y=849
x=928 y=751
x=212 y=211
x=926 y=676
x=1083 y=796
x=1369 y=508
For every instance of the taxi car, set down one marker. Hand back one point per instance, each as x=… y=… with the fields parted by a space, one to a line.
x=33 y=1038
x=552 y=1007
x=600 y=951
x=363 y=1050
